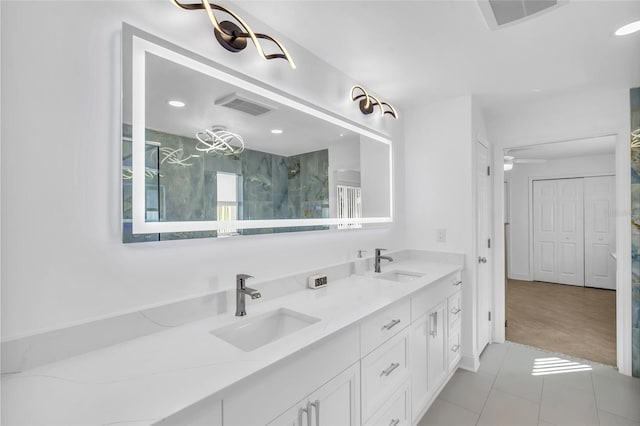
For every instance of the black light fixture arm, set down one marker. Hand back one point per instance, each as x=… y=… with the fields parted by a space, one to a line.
x=232 y=36
x=368 y=102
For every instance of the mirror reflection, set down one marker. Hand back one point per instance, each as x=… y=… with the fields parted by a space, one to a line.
x=241 y=163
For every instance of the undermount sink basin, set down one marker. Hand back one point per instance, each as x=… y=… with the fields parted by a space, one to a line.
x=251 y=333
x=400 y=276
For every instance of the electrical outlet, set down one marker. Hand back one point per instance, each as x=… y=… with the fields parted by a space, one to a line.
x=441 y=235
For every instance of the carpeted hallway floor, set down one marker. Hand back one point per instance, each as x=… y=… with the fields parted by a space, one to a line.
x=578 y=321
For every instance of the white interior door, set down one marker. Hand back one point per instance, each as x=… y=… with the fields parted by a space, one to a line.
x=483 y=235
x=599 y=232
x=558 y=231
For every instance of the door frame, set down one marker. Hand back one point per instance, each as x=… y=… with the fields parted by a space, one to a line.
x=490 y=250
x=530 y=210
x=623 y=246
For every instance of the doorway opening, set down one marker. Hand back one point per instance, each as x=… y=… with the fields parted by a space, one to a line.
x=560 y=247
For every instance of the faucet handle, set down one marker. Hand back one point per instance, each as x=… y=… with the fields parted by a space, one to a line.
x=242 y=277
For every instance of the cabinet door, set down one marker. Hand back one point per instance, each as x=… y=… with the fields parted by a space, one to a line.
x=436 y=347
x=335 y=403
x=294 y=416
x=428 y=357
x=418 y=363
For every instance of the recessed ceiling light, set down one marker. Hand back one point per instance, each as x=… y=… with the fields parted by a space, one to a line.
x=628 y=29
x=276 y=131
x=536 y=90
x=177 y=104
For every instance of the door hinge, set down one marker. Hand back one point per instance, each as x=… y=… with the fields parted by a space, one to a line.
x=505 y=323
x=488 y=170
x=489 y=315
x=489 y=243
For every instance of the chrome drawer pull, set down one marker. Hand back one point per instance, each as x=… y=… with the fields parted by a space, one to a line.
x=457 y=282
x=394 y=422
x=392 y=324
x=455 y=348
x=455 y=311
x=390 y=369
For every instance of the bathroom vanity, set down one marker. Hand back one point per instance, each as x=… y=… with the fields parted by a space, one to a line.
x=372 y=349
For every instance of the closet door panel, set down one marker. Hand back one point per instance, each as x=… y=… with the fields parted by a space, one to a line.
x=599 y=214
x=558 y=231
x=544 y=231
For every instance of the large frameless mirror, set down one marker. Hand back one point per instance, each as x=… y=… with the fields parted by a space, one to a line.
x=207 y=152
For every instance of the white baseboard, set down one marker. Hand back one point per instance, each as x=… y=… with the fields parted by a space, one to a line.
x=521 y=277
x=470 y=363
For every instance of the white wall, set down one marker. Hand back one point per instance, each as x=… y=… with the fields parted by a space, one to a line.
x=63 y=260
x=519 y=200
x=570 y=116
x=440 y=191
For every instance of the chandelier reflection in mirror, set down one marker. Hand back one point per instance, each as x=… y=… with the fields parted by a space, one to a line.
x=233 y=37
x=218 y=140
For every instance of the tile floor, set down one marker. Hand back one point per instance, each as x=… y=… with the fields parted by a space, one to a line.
x=505 y=392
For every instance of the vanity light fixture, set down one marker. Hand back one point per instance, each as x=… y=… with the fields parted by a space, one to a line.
x=234 y=37
x=368 y=102
x=218 y=140
x=176 y=103
x=628 y=29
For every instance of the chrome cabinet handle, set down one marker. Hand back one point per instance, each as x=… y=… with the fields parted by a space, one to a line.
x=308 y=410
x=300 y=411
x=434 y=324
x=316 y=405
x=392 y=324
x=482 y=259
x=394 y=422
x=390 y=369
x=455 y=311
x=457 y=282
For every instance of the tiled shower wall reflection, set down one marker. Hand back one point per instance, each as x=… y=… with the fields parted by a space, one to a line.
x=635 y=228
x=272 y=186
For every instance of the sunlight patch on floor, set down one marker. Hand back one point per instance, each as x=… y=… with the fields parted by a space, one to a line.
x=555 y=365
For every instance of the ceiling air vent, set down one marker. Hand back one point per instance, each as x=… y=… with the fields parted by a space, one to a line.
x=502 y=12
x=244 y=104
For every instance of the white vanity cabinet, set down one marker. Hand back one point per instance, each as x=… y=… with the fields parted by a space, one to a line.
x=335 y=403
x=327 y=372
x=430 y=337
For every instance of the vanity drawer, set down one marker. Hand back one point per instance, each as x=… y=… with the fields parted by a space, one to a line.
x=383 y=325
x=383 y=370
x=453 y=348
x=395 y=411
x=454 y=310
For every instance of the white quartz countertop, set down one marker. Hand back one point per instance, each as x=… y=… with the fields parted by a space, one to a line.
x=142 y=381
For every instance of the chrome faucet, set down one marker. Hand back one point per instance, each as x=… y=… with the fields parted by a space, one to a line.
x=376 y=265
x=241 y=291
